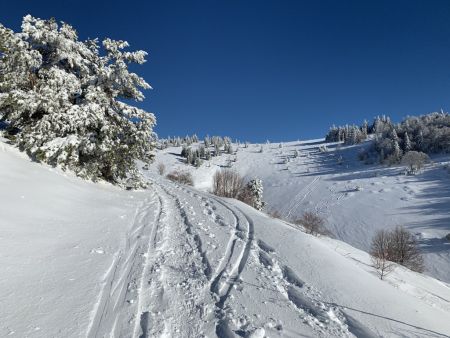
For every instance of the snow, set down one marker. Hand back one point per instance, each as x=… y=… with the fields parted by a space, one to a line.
x=84 y=259
x=355 y=199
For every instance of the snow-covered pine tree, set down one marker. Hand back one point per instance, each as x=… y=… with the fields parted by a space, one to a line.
x=62 y=99
x=394 y=136
x=364 y=130
x=201 y=151
x=216 y=149
x=407 y=146
x=207 y=154
x=255 y=188
x=207 y=141
x=397 y=152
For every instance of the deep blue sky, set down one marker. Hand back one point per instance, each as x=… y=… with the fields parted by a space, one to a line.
x=277 y=70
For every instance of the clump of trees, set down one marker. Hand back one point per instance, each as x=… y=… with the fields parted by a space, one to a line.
x=196 y=156
x=396 y=246
x=425 y=134
x=312 y=223
x=228 y=183
x=63 y=101
x=177 y=141
x=348 y=134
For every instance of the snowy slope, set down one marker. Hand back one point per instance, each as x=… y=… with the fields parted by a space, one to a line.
x=315 y=181
x=84 y=259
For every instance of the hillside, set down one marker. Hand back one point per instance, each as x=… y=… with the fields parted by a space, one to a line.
x=85 y=259
x=355 y=199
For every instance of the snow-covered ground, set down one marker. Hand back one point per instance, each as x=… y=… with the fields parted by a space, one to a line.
x=355 y=199
x=84 y=259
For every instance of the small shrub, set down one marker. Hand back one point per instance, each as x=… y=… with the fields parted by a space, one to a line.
x=312 y=222
x=181 y=177
x=404 y=249
x=414 y=161
x=275 y=214
x=447 y=237
x=379 y=253
x=161 y=168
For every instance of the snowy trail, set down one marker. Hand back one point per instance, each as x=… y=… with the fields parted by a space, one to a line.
x=162 y=279
x=217 y=284
x=232 y=261
x=173 y=288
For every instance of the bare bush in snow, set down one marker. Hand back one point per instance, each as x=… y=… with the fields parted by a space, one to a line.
x=379 y=252
x=312 y=222
x=181 y=177
x=404 y=249
x=275 y=214
x=227 y=183
x=396 y=246
x=414 y=161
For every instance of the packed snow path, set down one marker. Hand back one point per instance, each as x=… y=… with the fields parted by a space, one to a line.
x=161 y=283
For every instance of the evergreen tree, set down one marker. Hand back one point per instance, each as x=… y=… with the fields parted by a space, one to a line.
x=216 y=149
x=207 y=141
x=255 y=189
x=63 y=100
x=397 y=152
x=406 y=143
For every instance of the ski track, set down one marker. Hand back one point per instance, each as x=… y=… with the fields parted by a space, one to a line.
x=175 y=296
x=162 y=279
x=300 y=197
x=118 y=287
